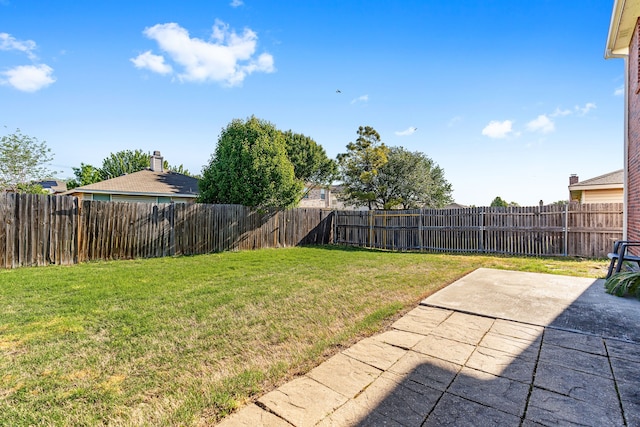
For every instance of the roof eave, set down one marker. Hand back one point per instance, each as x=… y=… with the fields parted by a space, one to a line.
x=621 y=28
x=613 y=49
x=133 y=193
x=579 y=187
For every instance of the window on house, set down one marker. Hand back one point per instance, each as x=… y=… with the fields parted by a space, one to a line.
x=322 y=194
x=306 y=193
x=164 y=199
x=101 y=197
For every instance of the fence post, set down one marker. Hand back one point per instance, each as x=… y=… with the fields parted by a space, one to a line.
x=420 y=238
x=482 y=230
x=566 y=230
x=172 y=229
x=335 y=227
x=371 y=219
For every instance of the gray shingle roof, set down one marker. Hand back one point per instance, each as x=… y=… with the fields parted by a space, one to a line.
x=145 y=182
x=611 y=179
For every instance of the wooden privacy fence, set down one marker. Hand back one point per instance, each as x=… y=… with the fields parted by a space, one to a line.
x=586 y=230
x=111 y=230
x=37 y=230
x=41 y=230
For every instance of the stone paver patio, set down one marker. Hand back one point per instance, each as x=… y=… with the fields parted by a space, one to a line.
x=442 y=367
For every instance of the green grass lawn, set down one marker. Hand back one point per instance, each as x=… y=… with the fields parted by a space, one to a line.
x=185 y=341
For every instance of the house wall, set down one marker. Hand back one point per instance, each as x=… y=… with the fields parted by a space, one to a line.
x=316 y=198
x=612 y=195
x=136 y=199
x=633 y=135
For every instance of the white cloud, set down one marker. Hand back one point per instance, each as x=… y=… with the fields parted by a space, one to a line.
x=561 y=113
x=28 y=78
x=363 y=98
x=152 y=62
x=619 y=91
x=408 y=131
x=497 y=129
x=542 y=124
x=585 y=110
x=228 y=58
x=236 y=3
x=454 y=121
x=7 y=42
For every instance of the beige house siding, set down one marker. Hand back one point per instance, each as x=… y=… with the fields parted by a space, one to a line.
x=150 y=199
x=607 y=188
x=318 y=198
x=613 y=195
x=135 y=199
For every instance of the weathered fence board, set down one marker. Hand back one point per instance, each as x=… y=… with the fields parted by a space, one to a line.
x=37 y=230
x=586 y=230
x=111 y=230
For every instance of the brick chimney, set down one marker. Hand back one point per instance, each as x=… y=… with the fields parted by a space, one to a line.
x=156 y=162
x=573 y=179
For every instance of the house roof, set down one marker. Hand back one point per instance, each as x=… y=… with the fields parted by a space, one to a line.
x=54 y=185
x=613 y=179
x=455 y=206
x=623 y=20
x=145 y=182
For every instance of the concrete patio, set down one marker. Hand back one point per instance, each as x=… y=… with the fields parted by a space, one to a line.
x=494 y=348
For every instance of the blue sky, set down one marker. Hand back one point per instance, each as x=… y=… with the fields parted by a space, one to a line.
x=508 y=97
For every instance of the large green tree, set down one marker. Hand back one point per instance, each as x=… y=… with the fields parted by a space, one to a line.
x=411 y=180
x=84 y=175
x=499 y=202
x=250 y=167
x=124 y=162
x=23 y=160
x=360 y=165
x=310 y=162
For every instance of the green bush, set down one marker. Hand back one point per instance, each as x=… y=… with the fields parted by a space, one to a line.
x=625 y=283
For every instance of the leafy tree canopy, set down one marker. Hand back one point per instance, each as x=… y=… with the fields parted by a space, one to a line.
x=360 y=165
x=124 y=162
x=23 y=160
x=250 y=167
x=498 y=202
x=84 y=175
x=380 y=177
x=310 y=162
x=411 y=180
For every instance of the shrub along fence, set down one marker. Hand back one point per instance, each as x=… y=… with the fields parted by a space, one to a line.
x=41 y=230
x=586 y=230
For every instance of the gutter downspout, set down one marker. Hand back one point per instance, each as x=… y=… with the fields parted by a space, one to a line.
x=625 y=186
x=614 y=26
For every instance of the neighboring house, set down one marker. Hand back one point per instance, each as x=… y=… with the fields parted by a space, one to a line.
x=53 y=186
x=607 y=188
x=318 y=197
x=455 y=206
x=153 y=185
x=622 y=42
